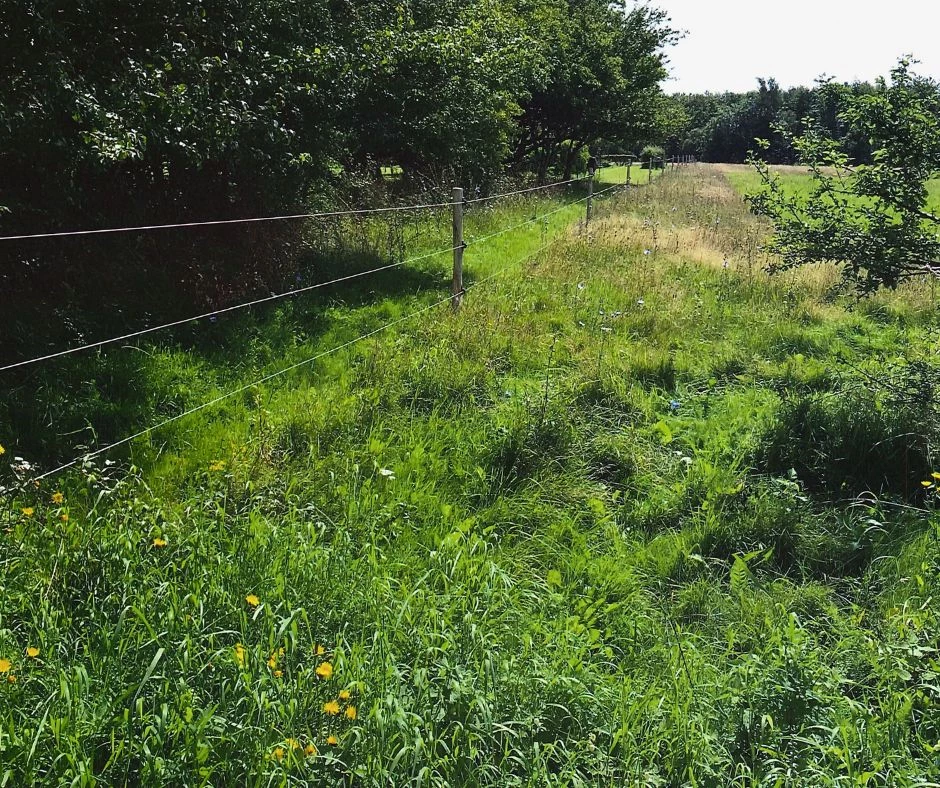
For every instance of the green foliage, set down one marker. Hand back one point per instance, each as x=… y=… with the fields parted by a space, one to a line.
x=536 y=541
x=871 y=219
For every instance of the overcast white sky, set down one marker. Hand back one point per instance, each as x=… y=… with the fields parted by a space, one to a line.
x=732 y=42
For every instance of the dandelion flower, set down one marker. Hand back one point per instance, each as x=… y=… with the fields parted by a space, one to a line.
x=252 y=600
x=278 y=673
x=293 y=744
x=5 y=665
x=64 y=517
x=2 y=450
x=11 y=679
x=350 y=712
x=240 y=654
x=344 y=695
x=57 y=497
x=272 y=661
x=320 y=651
x=158 y=542
x=278 y=753
x=310 y=749
x=325 y=670
x=332 y=740
x=28 y=511
x=32 y=652
x=331 y=707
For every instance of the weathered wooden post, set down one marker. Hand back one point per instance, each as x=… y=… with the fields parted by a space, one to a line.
x=590 y=200
x=650 y=178
x=457 y=287
x=629 y=165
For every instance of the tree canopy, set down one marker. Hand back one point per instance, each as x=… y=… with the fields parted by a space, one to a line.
x=871 y=218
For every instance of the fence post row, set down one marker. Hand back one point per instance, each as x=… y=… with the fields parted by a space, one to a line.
x=457 y=287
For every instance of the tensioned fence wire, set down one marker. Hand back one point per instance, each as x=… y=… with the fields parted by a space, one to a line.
x=279 y=373
x=295 y=292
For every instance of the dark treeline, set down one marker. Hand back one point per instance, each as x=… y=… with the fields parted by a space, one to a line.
x=160 y=112
x=723 y=127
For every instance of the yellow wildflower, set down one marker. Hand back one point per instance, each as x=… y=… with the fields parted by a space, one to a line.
x=57 y=498
x=310 y=749
x=32 y=652
x=218 y=465
x=332 y=740
x=158 y=542
x=240 y=654
x=272 y=661
x=11 y=679
x=344 y=695
x=278 y=753
x=28 y=511
x=325 y=670
x=64 y=517
x=5 y=665
x=293 y=744
x=278 y=673
x=350 y=712
x=320 y=651
x=252 y=600
x=2 y=450
x=331 y=707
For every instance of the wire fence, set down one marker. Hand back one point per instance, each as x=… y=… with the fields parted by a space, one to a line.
x=87 y=456
x=301 y=290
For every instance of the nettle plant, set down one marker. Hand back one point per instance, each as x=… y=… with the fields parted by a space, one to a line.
x=873 y=220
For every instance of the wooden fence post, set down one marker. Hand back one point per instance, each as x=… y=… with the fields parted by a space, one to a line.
x=629 y=164
x=590 y=200
x=457 y=287
x=650 y=178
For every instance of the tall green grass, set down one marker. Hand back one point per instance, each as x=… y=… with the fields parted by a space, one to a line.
x=553 y=539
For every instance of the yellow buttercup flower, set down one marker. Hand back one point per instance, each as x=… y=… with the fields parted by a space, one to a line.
x=331 y=707
x=28 y=511
x=350 y=712
x=2 y=450
x=332 y=740
x=293 y=744
x=57 y=497
x=32 y=652
x=272 y=661
x=936 y=476
x=278 y=753
x=310 y=749
x=5 y=665
x=252 y=600
x=158 y=542
x=320 y=651
x=325 y=670
x=927 y=483
x=344 y=695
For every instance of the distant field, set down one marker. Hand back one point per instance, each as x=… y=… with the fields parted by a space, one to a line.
x=796 y=179
x=638 y=175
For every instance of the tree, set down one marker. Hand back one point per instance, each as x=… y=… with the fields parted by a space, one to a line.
x=600 y=80
x=871 y=219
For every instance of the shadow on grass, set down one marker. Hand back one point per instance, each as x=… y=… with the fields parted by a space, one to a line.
x=54 y=410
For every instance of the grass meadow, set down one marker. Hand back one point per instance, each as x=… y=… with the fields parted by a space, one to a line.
x=636 y=515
